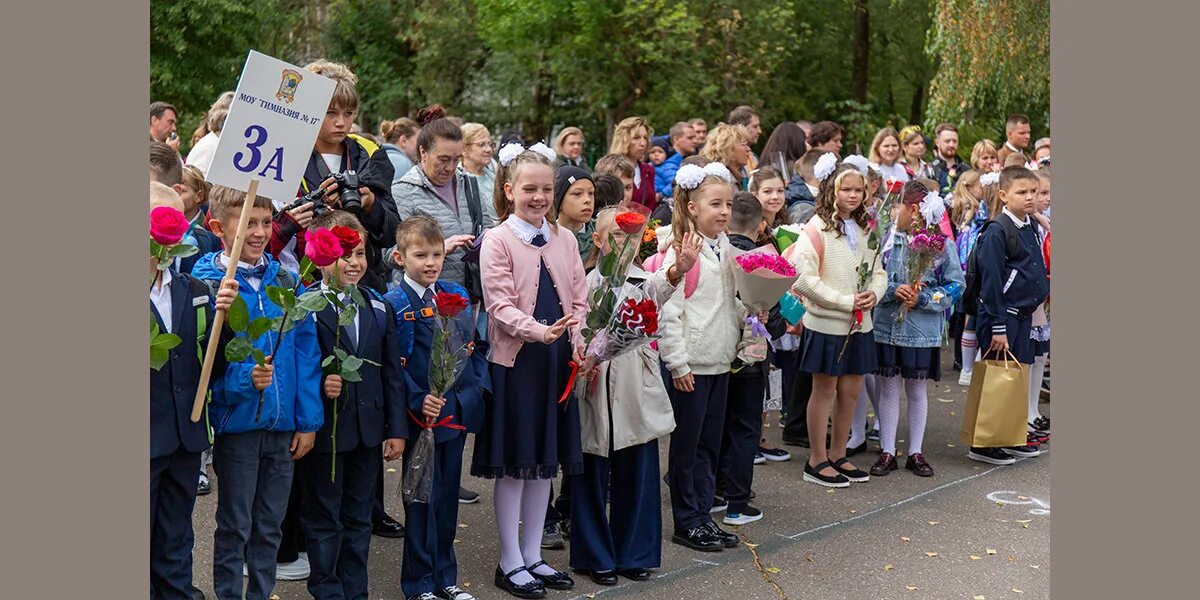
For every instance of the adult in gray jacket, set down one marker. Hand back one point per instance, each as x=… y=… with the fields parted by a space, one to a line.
x=440 y=188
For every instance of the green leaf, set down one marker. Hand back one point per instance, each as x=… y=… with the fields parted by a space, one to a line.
x=328 y=360
x=238 y=349
x=370 y=362
x=352 y=363
x=357 y=296
x=260 y=357
x=350 y=375
x=346 y=317
x=183 y=251
x=313 y=301
x=158 y=357
x=608 y=264
x=153 y=327
x=238 y=316
x=259 y=326
x=166 y=341
x=342 y=355
x=282 y=297
x=335 y=301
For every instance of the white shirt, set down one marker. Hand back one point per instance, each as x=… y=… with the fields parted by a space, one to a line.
x=418 y=288
x=201 y=155
x=894 y=171
x=345 y=298
x=255 y=282
x=160 y=296
x=334 y=162
x=527 y=232
x=814 y=190
x=1020 y=222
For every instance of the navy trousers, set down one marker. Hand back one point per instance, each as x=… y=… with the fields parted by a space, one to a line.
x=255 y=477
x=172 y=499
x=429 y=561
x=739 y=444
x=630 y=535
x=336 y=516
x=695 y=445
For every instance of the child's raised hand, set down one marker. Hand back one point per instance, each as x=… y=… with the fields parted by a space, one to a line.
x=393 y=448
x=227 y=294
x=558 y=328
x=432 y=407
x=687 y=251
x=261 y=375
x=333 y=386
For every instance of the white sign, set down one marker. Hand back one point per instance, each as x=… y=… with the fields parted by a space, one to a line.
x=271 y=128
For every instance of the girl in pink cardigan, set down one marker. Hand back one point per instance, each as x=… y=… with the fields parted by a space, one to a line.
x=535 y=293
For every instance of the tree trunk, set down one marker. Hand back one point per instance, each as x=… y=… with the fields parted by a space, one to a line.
x=914 y=115
x=861 y=51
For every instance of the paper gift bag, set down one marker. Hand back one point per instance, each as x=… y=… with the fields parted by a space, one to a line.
x=997 y=404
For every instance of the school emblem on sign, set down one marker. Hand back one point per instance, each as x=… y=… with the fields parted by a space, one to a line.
x=287 y=86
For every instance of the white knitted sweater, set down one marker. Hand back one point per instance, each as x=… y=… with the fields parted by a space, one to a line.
x=830 y=288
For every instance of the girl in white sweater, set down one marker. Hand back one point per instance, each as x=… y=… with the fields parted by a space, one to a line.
x=700 y=334
x=829 y=279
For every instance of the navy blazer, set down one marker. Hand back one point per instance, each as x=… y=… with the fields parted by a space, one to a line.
x=464 y=402
x=173 y=387
x=1011 y=287
x=371 y=410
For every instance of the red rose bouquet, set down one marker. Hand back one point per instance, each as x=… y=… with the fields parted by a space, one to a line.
x=453 y=343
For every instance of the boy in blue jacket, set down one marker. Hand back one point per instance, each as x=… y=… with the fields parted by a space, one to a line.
x=430 y=569
x=335 y=506
x=178 y=305
x=253 y=456
x=1013 y=284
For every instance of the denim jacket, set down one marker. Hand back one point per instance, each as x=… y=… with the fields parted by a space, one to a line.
x=922 y=327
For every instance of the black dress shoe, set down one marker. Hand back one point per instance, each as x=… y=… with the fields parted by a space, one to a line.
x=531 y=590
x=855 y=475
x=859 y=449
x=795 y=441
x=555 y=581
x=917 y=464
x=196 y=593
x=886 y=464
x=635 y=574
x=388 y=527
x=727 y=539
x=698 y=538
x=602 y=577
x=813 y=474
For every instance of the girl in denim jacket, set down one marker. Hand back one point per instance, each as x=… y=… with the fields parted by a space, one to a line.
x=909 y=350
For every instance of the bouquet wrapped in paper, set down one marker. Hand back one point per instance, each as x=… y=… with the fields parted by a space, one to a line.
x=761 y=277
x=453 y=343
x=633 y=323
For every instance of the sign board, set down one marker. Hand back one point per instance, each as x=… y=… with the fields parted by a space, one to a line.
x=272 y=125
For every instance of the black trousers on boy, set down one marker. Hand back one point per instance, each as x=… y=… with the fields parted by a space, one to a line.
x=336 y=518
x=739 y=443
x=795 y=428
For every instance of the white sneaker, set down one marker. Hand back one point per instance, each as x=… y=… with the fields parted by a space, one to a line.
x=964 y=378
x=296 y=570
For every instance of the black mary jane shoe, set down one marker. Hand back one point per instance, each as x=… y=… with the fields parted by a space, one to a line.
x=813 y=474
x=635 y=574
x=555 y=581
x=855 y=475
x=532 y=590
x=601 y=577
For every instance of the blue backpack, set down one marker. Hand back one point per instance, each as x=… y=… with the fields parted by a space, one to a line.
x=406 y=316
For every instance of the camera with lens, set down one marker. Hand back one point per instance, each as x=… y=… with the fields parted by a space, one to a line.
x=317 y=197
x=347 y=189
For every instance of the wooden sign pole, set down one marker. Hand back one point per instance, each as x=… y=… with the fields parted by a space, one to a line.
x=214 y=337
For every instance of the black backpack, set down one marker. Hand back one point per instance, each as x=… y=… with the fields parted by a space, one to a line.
x=970 y=297
x=474 y=279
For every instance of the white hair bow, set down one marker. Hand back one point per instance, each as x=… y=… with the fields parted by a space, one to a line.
x=933 y=208
x=858 y=161
x=825 y=166
x=689 y=177
x=513 y=149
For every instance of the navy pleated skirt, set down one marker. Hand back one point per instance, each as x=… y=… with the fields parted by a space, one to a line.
x=819 y=354
x=909 y=363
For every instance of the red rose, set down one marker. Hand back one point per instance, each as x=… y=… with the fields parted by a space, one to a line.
x=347 y=237
x=322 y=247
x=449 y=305
x=649 y=314
x=167 y=225
x=894 y=186
x=631 y=222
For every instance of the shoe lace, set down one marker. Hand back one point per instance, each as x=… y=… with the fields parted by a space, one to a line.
x=452 y=590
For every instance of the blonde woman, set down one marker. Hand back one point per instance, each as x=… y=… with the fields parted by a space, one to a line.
x=984 y=157
x=885 y=153
x=477 y=155
x=568 y=147
x=727 y=145
x=631 y=138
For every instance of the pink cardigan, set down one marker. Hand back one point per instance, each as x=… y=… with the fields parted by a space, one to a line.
x=511 y=270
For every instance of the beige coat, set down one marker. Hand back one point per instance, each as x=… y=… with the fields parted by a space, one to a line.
x=627 y=397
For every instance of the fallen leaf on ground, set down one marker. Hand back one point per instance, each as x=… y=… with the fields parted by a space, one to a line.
x=852 y=511
x=931 y=554
x=391 y=470
x=809 y=558
x=978 y=598
x=1035 y=566
x=1002 y=520
x=830 y=491
x=274 y=597
x=934 y=522
x=946 y=400
x=750 y=545
x=952 y=413
x=973 y=557
x=590 y=595
x=1025 y=520
x=1025 y=525
x=991 y=552
x=949 y=445
x=905 y=539
x=1018 y=591
x=772 y=569
x=462 y=525
x=911 y=588
x=1022 y=497
x=1012 y=559
x=457 y=540
x=888 y=567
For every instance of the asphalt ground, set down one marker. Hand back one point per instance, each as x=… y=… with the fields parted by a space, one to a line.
x=973 y=530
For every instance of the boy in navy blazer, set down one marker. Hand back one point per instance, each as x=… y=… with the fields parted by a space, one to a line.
x=335 y=510
x=430 y=568
x=179 y=305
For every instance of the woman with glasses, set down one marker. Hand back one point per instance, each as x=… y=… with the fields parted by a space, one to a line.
x=569 y=148
x=477 y=155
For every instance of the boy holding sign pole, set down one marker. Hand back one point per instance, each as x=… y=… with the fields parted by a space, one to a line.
x=253 y=456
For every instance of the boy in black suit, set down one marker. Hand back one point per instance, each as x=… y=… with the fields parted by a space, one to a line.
x=335 y=509
x=430 y=569
x=179 y=305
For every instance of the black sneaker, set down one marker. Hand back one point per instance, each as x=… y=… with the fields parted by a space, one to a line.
x=994 y=456
x=1041 y=424
x=388 y=527
x=814 y=475
x=466 y=496
x=748 y=515
x=759 y=459
x=551 y=538
x=775 y=454
x=452 y=592
x=698 y=538
x=719 y=504
x=1023 y=451
x=728 y=539
x=203 y=487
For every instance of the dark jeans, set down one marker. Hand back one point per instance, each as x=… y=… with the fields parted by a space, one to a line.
x=291 y=542
x=695 y=444
x=739 y=443
x=255 y=472
x=172 y=499
x=795 y=428
x=336 y=515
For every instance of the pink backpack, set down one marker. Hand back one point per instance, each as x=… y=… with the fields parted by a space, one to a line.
x=818 y=244
x=691 y=279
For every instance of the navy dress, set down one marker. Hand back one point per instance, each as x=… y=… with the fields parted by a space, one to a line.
x=526 y=433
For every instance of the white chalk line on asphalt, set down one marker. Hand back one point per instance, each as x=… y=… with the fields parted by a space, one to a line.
x=696 y=563
x=887 y=507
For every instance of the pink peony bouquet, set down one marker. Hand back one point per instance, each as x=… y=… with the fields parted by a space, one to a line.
x=924 y=255
x=762 y=277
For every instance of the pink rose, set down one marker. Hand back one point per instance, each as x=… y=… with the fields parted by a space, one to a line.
x=322 y=247
x=167 y=225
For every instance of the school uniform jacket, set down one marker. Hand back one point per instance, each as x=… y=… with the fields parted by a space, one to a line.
x=372 y=410
x=173 y=388
x=464 y=401
x=1011 y=287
